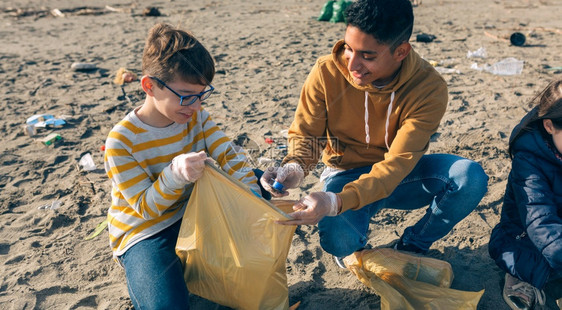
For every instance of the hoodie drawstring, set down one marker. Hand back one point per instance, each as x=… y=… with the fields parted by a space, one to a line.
x=367 y=136
x=388 y=111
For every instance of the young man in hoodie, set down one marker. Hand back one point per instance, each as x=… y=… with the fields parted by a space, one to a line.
x=369 y=110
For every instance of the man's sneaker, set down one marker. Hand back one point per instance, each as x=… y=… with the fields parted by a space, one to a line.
x=339 y=262
x=401 y=246
x=521 y=295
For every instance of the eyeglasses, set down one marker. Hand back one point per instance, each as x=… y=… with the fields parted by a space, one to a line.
x=189 y=99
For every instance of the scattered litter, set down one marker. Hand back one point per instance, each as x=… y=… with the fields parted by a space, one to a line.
x=499 y=38
x=507 y=66
x=30 y=130
x=424 y=37
x=101 y=227
x=479 y=53
x=57 y=13
x=151 y=11
x=555 y=69
x=55 y=204
x=444 y=70
x=87 y=162
x=123 y=76
x=281 y=147
x=51 y=139
x=517 y=39
x=265 y=160
x=102 y=148
x=44 y=120
x=83 y=66
x=284 y=133
x=41 y=121
x=269 y=140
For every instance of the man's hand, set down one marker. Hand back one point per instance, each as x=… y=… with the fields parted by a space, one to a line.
x=188 y=168
x=312 y=208
x=290 y=175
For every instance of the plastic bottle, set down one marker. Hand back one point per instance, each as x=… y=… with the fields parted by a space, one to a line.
x=83 y=66
x=507 y=66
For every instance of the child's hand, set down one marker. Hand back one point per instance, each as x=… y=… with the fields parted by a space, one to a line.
x=189 y=167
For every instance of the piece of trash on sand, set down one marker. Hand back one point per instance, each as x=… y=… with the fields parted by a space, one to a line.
x=506 y=66
x=83 y=66
x=57 y=13
x=55 y=204
x=123 y=76
x=444 y=70
x=151 y=11
x=284 y=133
x=87 y=162
x=517 y=39
x=265 y=160
x=30 y=130
x=45 y=120
x=51 y=139
x=101 y=227
x=425 y=37
x=479 y=53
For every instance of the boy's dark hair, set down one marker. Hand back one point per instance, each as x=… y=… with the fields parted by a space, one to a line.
x=171 y=53
x=390 y=22
x=548 y=105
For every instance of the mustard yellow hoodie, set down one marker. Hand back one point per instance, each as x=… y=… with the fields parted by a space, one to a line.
x=352 y=126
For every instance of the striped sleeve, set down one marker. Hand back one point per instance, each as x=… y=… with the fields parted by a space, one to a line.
x=232 y=160
x=148 y=197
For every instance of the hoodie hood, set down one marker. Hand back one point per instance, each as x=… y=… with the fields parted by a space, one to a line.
x=410 y=65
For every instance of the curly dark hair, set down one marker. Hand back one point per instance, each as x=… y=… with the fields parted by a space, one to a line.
x=390 y=22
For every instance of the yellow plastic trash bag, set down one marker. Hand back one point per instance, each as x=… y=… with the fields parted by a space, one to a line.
x=233 y=252
x=409 y=282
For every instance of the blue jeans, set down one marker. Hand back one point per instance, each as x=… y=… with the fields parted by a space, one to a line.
x=154 y=272
x=452 y=186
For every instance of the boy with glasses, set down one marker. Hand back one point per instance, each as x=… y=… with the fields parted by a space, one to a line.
x=368 y=111
x=153 y=157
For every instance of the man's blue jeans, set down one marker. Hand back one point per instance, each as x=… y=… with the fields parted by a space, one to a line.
x=450 y=185
x=154 y=272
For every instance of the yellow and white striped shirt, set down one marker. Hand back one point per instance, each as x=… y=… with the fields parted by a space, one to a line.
x=145 y=197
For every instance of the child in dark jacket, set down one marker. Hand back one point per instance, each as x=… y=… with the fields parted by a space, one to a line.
x=527 y=242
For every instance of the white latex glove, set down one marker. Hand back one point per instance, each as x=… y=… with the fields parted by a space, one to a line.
x=312 y=208
x=290 y=175
x=188 y=168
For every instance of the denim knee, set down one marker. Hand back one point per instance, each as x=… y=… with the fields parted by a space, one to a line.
x=470 y=177
x=341 y=242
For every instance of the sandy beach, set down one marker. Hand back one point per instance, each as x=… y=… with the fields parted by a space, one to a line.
x=263 y=51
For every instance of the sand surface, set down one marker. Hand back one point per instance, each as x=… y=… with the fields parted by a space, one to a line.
x=263 y=51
